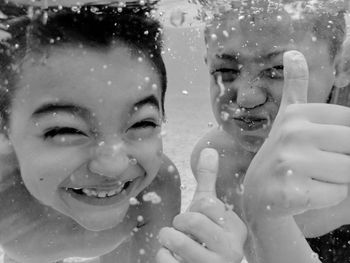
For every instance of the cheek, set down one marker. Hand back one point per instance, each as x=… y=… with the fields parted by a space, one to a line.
x=44 y=171
x=149 y=154
x=320 y=86
x=275 y=90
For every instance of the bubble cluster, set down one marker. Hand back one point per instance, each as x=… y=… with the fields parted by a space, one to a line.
x=152 y=197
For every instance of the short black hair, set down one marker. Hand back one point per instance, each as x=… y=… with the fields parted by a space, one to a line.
x=92 y=26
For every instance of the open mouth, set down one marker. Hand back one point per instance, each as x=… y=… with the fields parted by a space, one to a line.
x=251 y=123
x=99 y=193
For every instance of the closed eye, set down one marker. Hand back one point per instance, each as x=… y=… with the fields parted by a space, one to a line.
x=145 y=124
x=62 y=131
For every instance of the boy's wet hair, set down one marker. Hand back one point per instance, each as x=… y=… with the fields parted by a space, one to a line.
x=324 y=19
x=101 y=27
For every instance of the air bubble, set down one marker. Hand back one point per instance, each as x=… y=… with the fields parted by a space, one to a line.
x=289 y=172
x=152 y=197
x=171 y=168
x=133 y=201
x=240 y=189
x=133 y=161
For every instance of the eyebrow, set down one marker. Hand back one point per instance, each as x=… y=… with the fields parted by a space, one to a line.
x=50 y=108
x=152 y=100
x=234 y=55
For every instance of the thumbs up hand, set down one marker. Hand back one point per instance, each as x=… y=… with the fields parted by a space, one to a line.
x=304 y=163
x=208 y=231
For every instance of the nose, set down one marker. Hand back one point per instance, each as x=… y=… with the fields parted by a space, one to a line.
x=109 y=159
x=250 y=94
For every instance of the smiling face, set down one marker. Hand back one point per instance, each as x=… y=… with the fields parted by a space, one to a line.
x=85 y=127
x=246 y=67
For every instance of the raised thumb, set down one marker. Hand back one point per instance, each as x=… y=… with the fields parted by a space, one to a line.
x=207 y=170
x=296 y=79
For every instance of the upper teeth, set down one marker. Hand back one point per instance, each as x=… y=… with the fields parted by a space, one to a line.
x=100 y=193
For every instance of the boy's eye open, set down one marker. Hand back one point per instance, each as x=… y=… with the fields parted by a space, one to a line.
x=62 y=131
x=227 y=74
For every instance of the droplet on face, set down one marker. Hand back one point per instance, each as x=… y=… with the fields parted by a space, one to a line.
x=210 y=124
x=224 y=115
x=171 y=168
x=163 y=133
x=240 y=189
x=140 y=218
x=142 y=251
x=133 y=201
x=289 y=172
x=154 y=86
x=133 y=161
x=185 y=92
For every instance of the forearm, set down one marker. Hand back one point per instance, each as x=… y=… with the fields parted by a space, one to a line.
x=280 y=241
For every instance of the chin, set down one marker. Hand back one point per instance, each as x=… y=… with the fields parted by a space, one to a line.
x=251 y=144
x=100 y=221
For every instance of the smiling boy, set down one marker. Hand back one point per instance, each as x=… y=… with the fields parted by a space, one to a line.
x=245 y=50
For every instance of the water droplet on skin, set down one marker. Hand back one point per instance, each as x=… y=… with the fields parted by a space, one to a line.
x=171 y=168
x=147 y=79
x=105 y=66
x=237 y=175
x=133 y=201
x=109 y=83
x=210 y=124
x=225 y=33
x=208 y=143
x=154 y=87
x=268 y=207
x=240 y=189
x=185 y=92
x=225 y=115
x=140 y=218
x=289 y=172
x=183 y=187
x=163 y=134
x=142 y=251
x=133 y=161
x=214 y=37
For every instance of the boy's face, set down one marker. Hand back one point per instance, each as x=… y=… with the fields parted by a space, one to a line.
x=85 y=126
x=246 y=67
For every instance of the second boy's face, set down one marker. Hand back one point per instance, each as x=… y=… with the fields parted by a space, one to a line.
x=246 y=67
x=85 y=126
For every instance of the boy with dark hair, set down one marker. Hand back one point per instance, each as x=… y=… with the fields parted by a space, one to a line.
x=247 y=55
